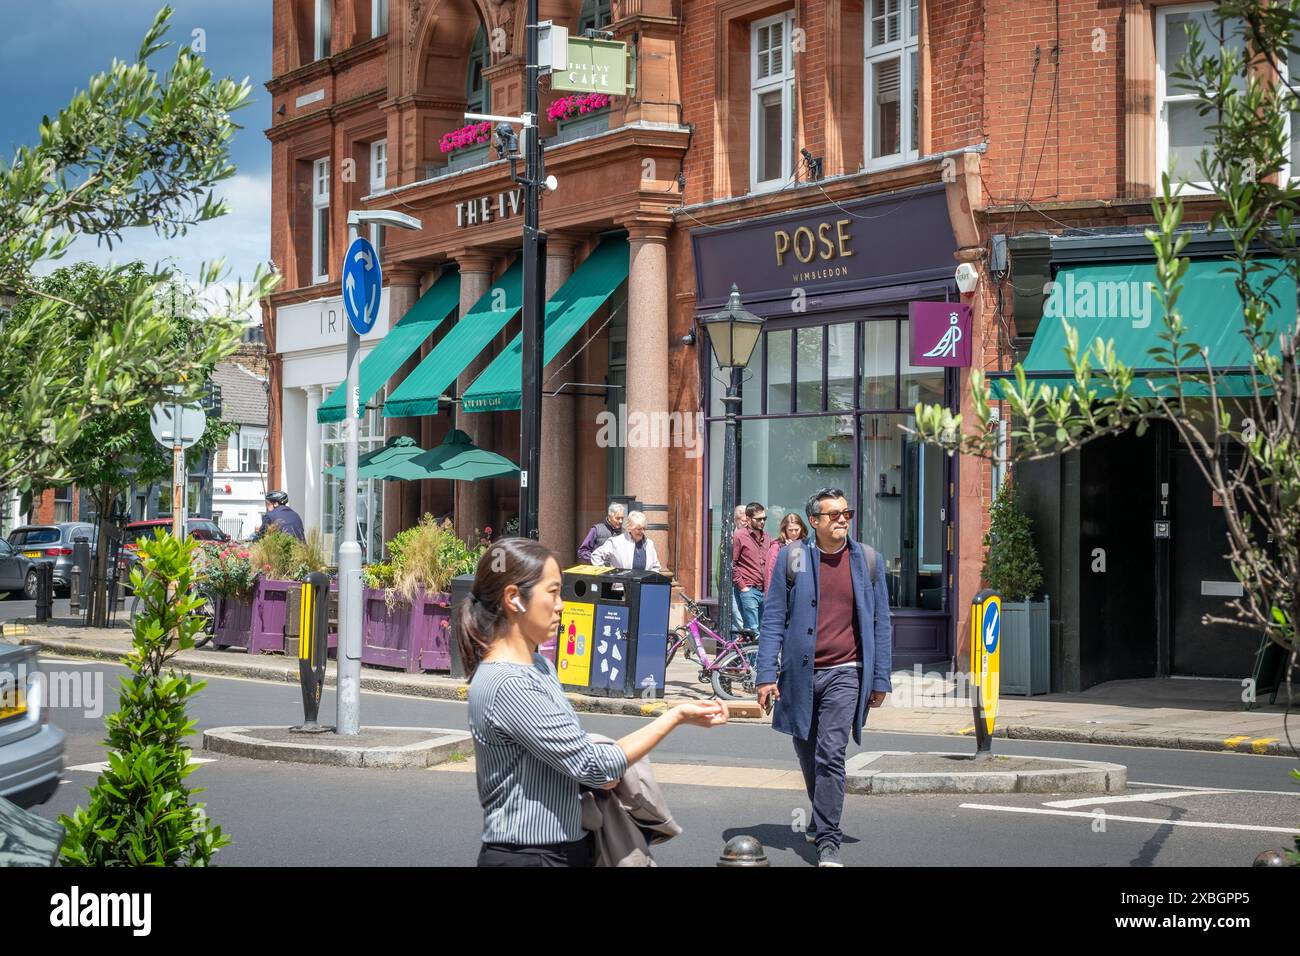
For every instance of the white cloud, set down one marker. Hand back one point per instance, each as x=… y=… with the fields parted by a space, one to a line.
x=242 y=237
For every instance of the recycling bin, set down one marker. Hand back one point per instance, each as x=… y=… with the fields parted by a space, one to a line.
x=613 y=632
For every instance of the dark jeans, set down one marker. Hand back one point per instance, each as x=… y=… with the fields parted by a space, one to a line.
x=579 y=853
x=821 y=756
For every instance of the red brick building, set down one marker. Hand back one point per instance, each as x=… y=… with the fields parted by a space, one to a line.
x=835 y=160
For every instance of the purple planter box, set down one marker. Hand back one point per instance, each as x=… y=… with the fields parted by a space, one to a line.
x=431 y=623
x=385 y=630
x=270 y=602
x=234 y=623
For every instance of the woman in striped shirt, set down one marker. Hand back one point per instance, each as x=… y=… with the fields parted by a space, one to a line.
x=531 y=753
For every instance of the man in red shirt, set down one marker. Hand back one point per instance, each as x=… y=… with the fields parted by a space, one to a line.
x=749 y=565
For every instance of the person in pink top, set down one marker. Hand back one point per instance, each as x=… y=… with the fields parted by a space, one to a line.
x=792 y=528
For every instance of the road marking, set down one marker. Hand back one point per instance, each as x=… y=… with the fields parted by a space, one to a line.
x=1232 y=742
x=1133 y=798
x=966 y=730
x=1174 y=786
x=75 y=662
x=696 y=775
x=1260 y=744
x=103 y=764
x=1111 y=818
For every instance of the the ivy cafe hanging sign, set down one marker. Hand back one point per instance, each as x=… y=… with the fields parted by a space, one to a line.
x=595 y=66
x=503 y=205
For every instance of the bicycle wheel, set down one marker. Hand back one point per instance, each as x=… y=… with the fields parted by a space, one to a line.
x=679 y=637
x=208 y=611
x=734 y=674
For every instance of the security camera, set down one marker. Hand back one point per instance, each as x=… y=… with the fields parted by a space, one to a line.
x=968 y=277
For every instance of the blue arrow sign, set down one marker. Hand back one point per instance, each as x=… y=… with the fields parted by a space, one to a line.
x=362 y=285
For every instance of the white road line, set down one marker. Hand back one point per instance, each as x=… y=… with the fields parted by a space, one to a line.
x=1111 y=818
x=1174 y=786
x=103 y=765
x=75 y=662
x=1133 y=798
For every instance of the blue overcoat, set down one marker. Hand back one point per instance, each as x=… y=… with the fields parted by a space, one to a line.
x=787 y=649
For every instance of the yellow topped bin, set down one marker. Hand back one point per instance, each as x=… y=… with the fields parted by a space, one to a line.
x=613 y=632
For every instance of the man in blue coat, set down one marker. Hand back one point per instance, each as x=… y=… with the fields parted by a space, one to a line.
x=280 y=517
x=825 y=654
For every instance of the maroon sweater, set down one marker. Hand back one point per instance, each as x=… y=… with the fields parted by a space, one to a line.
x=837 y=625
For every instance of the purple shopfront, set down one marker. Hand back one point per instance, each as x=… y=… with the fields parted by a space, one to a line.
x=849 y=292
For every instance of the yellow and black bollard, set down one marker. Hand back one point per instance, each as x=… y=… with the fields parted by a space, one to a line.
x=313 y=646
x=986 y=666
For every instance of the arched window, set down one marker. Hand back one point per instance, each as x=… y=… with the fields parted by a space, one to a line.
x=594 y=16
x=477 y=95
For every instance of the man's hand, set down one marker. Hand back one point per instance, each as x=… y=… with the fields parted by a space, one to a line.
x=768 y=694
x=877 y=698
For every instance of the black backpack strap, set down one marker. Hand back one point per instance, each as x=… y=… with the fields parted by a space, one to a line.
x=872 y=573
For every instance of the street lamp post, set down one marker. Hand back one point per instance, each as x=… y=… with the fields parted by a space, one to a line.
x=733 y=333
x=348 y=719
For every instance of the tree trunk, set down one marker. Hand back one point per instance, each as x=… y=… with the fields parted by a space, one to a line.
x=98 y=616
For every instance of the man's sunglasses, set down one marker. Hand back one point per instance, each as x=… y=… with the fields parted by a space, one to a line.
x=847 y=515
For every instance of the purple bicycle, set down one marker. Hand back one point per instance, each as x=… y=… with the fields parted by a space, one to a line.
x=733 y=670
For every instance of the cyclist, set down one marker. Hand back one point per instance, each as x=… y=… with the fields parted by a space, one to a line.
x=281 y=517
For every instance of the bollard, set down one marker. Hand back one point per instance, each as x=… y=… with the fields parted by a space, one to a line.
x=44 y=591
x=82 y=558
x=1273 y=857
x=743 y=850
x=313 y=644
x=74 y=590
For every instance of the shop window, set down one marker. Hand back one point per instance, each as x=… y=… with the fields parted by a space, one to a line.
x=893 y=121
x=1181 y=131
x=772 y=103
x=879 y=356
x=370 y=492
x=478 y=98
x=322 y=35
x=780 y=372
x=320 y=220
x=921 y=383
x=378 y=181
x=378 y=17
x=1293 y=120
x=808 y=370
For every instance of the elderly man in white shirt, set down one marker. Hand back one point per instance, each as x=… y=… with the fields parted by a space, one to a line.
x=631 y=550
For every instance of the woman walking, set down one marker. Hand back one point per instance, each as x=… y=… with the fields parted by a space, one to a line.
x=531 y=754
x=792 y=528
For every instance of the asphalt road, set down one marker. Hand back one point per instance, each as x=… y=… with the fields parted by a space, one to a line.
x=281 y=814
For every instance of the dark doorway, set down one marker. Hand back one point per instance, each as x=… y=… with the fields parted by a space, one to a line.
x=1203 y=583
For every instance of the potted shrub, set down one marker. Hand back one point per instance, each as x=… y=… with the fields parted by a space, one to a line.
x=407 y=607
x=229 y=571
x=578 y=115
x=1011 y=568
x=467 y=146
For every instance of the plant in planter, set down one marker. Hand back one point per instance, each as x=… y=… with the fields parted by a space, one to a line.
x=567 y=107
x=466 y=137
x=1012 y=569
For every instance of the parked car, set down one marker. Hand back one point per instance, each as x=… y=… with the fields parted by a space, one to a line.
x=17 y=572
x=201 y=529
x=54 y=541
x=31 y=748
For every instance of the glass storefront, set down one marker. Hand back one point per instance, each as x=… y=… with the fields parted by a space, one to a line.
x=825 y=406
x=370 y=492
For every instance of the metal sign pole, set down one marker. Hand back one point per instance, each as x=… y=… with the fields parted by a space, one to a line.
x=534 y=305
x=348 y=718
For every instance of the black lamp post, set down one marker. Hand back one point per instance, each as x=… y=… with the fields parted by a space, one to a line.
x=733 y=333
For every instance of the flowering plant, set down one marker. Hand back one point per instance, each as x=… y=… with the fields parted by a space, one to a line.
x=475 y=134
x=227 y=568
x=567 y=106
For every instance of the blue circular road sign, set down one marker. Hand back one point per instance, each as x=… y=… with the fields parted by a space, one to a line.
x=362 y=285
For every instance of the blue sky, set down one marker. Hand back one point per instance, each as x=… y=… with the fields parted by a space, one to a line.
x=49 y=50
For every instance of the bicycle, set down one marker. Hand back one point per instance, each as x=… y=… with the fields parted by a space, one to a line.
x=735 y=663
x=207 y=610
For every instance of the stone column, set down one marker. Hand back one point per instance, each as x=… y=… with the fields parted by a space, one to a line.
x=401 y=498
x=646 y=457
x=293 y=452
x=313 y=479
x=556 y=519
x=473 y=498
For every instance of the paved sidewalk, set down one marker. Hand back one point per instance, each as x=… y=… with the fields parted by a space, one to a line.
x=1177 y=714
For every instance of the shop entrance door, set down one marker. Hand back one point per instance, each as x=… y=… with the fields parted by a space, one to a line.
x=1202 y=583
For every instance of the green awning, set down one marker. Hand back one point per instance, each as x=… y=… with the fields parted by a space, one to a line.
x=419 y=394
x=1118 y=301
x=497 y=389
x=398 y=345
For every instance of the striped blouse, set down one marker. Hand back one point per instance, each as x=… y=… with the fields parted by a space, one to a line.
x=531 y=755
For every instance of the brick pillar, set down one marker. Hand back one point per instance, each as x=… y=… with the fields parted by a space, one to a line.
x=473 y=499
x=556 y=519
x=646 y=468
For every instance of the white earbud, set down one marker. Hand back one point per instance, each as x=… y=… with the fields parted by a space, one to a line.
x=518 y=605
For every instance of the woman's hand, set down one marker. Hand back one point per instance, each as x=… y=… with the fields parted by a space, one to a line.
x=711 y=713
